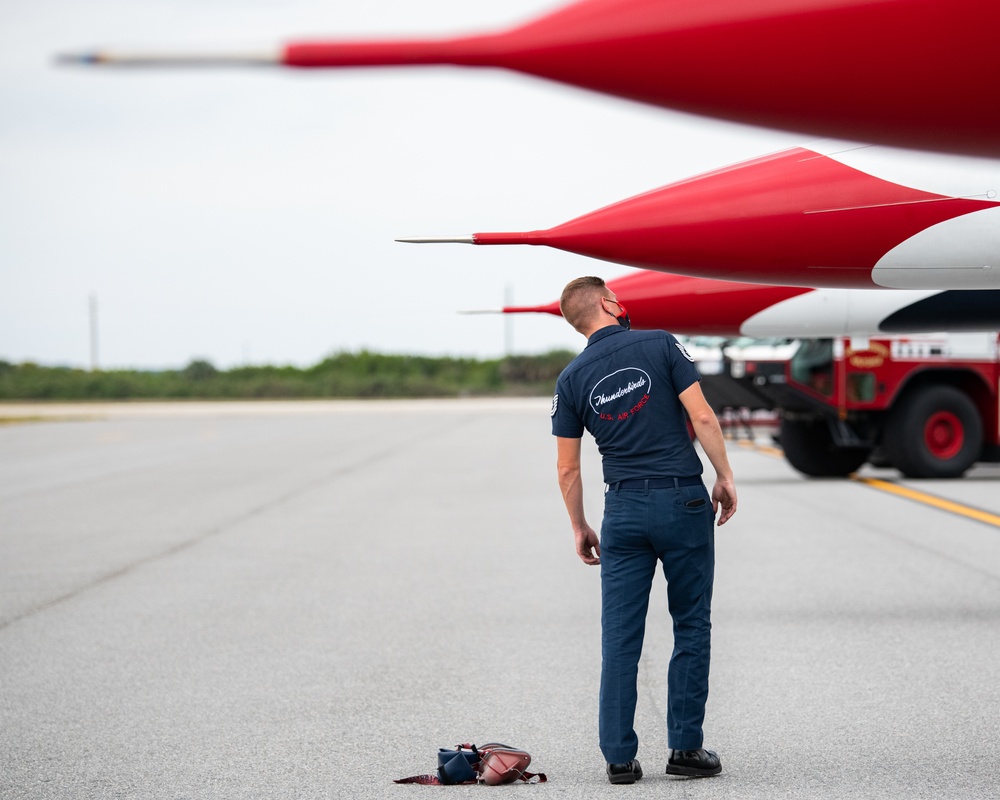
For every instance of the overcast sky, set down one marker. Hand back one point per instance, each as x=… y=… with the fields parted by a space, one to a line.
x=249 y=216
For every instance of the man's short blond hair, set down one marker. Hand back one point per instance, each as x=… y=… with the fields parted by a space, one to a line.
x=576 y=301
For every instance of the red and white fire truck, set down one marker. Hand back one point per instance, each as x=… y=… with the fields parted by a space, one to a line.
x=928 y=405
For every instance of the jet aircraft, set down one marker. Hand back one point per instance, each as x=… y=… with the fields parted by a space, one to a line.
x=911 y=73
x=700 y=307
x=830 y=216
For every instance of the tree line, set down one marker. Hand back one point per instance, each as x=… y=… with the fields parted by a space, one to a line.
x=343 y=375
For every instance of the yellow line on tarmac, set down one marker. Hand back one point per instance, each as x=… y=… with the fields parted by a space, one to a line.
x=902 y=491
x=761 y=448
x=931 y=500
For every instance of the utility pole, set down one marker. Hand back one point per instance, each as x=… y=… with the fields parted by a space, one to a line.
x=508 y=323
x=93 y=333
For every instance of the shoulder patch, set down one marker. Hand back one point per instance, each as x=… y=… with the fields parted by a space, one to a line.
x=555 y=404
x=684 y=352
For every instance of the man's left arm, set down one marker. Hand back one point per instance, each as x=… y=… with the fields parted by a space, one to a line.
x=588 y=545
x=709 y=433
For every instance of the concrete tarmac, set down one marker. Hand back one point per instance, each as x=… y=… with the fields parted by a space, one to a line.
x=306 y=600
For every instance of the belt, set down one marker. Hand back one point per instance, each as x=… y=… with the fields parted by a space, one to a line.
x=655 y=483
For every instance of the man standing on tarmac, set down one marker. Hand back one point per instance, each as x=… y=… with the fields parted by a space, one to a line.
x=630 y=389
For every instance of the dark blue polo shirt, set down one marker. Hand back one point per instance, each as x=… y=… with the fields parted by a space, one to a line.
x=624 y=389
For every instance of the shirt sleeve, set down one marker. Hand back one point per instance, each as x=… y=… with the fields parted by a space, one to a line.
x=565 y=420
x=683 y=372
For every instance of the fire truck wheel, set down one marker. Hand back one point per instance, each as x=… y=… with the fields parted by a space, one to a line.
x=934 y=432
x=809 y=448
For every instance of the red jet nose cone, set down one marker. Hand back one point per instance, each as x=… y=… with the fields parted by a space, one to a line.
x=912 y=73
x=802 y=218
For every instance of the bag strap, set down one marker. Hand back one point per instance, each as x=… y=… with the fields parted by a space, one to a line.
x=431 y=780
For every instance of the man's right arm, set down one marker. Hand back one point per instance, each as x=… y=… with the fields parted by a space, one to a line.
x=588 y=546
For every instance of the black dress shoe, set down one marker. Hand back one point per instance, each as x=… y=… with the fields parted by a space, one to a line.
x=700 y=763
x=629 y=772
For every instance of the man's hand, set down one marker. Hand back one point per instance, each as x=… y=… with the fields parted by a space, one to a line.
x=724 y=494
x=588 y=545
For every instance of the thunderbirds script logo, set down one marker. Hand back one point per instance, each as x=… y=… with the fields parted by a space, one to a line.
x=621 y=394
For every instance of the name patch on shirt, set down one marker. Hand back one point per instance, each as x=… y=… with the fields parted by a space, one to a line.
x=684 y=352
x=621 y=394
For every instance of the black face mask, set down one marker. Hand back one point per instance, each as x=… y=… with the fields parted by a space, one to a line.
x=622 y=318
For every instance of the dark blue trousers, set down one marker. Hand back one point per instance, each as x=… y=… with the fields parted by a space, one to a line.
x=642 y=527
